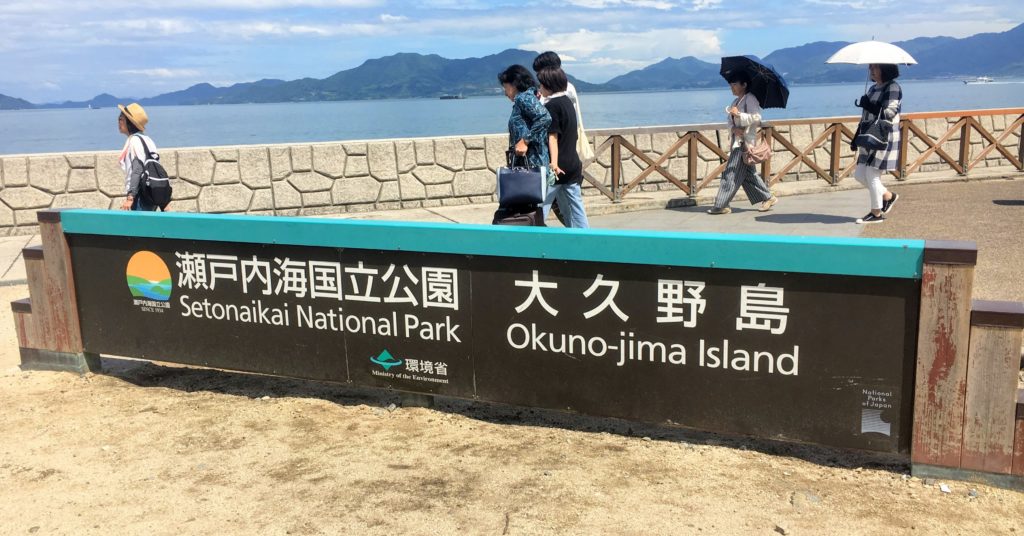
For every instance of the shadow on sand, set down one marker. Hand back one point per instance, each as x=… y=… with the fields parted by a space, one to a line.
x=187 y=379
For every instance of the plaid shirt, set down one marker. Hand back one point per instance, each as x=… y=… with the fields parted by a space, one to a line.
x=889 y=96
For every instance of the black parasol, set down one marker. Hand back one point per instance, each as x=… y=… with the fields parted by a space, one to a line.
x=765 y=82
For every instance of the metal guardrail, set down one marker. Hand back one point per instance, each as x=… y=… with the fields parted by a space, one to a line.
x=837 y=134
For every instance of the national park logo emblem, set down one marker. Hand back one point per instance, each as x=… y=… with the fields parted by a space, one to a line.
x=386 y=360
x=149 y=280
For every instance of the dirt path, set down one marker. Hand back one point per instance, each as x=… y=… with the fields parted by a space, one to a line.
x=148 y=449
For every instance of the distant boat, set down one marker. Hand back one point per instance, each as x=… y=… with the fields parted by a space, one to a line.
x=452 y=97
x=979 y=80
x=91 y=107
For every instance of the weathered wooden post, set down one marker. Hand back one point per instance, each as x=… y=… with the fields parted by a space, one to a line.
x=1020 y=145
x=691 y=162
x=766 y=166
x=691 y=178
x=1018 y=441
x=616 y=168
x=835 y=158
x=993 y=365
x=967 y=409
x=965 y=145
x=904 y=142
x=49 y=333
x=942 y=346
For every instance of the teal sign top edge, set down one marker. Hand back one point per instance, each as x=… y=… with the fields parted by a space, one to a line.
x=894 y=258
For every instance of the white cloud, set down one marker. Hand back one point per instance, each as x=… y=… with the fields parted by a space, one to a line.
x=162 y=72
x=600 y=54
x=699 y=5
x=162 y=27
x=909 y=29
x=746 y=23
x=386 y=17
x=601 y=4
x=144 y=29
x=851 y=4
x=456 y=4
x=256 y=29
x=138 y=6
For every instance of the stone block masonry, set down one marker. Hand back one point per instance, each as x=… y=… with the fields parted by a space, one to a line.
x=360 y=176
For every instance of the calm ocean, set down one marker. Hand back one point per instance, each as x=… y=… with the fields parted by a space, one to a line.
x=41 y=131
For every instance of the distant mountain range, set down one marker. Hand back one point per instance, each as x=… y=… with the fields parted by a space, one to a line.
x=408 y=75
x=11 y=103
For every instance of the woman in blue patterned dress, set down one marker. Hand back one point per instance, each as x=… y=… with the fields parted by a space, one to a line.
x=529 y=122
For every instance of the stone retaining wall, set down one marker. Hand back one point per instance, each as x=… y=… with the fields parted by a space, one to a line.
x=357 y=176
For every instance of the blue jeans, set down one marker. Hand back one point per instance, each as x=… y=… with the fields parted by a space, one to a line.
x=570 y=204
x=139 y=204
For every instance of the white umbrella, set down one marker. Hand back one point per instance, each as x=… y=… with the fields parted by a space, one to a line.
x=872 y=52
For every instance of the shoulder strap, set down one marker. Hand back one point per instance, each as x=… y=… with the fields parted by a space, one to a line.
x=149 y=154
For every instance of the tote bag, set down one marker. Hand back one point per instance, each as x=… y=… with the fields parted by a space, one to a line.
x=521 y=185
x=583 y=148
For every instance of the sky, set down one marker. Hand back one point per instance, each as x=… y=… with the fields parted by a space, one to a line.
x=56 y=50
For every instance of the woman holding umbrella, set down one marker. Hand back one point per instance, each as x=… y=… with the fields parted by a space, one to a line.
x=754 y=85
x=882 y=104
x=879 y=123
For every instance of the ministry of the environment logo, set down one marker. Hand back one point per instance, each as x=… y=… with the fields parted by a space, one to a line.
x=386 y=360
x=148 y=277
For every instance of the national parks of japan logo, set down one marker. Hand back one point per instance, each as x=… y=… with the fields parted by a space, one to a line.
x=148 y=277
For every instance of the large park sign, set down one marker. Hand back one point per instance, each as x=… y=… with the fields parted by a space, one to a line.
x=809 y=339
x=867 y=344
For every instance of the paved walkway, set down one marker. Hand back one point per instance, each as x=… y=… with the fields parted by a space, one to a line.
x=826 y=214
x=810 y=208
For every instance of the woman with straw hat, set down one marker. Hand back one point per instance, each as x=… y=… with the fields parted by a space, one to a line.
x=132 y=123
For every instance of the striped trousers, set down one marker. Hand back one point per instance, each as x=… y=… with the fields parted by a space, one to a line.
x=737 y=173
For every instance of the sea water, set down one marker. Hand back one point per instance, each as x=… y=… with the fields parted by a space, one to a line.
x=67 y=130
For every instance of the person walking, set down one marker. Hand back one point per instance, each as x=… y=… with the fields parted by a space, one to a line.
x=551 y=60
x=527 y=125
x=744 y=119
x=132 y=123
x=882 y=103
x=565 y=162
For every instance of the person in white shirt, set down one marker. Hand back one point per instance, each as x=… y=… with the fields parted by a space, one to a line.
x=744 y=116
x=132 y=123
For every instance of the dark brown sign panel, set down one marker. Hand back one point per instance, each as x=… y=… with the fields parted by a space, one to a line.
x=809 y=357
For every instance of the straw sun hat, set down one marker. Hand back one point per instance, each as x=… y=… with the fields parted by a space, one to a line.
x=136 y=114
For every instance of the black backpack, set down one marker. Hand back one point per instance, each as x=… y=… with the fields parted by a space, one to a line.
x=154 y=184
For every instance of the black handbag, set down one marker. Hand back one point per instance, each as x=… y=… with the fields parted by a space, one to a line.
x=871 y=136
x=521 y=185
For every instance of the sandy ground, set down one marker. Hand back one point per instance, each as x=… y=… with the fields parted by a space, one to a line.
x=150 y=449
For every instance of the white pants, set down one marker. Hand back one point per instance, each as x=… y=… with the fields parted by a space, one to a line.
x=871 y=178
